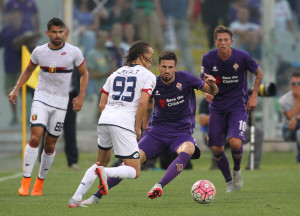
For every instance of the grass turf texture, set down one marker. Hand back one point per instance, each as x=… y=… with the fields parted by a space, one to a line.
x=272 y=190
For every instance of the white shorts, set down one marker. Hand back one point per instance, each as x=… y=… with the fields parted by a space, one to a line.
x=123 y=140
x=50 y=118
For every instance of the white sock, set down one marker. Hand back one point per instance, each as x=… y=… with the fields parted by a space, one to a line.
x=30 y=156
x=46 y=162
x=86 y=182
x=121 y=172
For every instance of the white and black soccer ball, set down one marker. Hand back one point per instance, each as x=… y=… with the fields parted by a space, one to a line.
x=203 y=191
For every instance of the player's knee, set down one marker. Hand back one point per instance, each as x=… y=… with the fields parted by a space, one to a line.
x=235 y=143
x=137 y=173
x=34 y=141
x=49 y=148
x=187 y=147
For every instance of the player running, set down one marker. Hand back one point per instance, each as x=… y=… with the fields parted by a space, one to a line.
x=123 y=104
x=50 y=101
x=229 y=108
x=173 y=121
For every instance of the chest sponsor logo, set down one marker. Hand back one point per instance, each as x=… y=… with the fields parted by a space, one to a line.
x=63 y=53
x=218 y=79
x=162 y=103
x=176 y=101
x=215 y=69
x=236 y=66
x=179 y=86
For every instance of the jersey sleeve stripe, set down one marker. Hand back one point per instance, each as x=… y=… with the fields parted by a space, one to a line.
x=105 y=92
x=82 y=63
x=149 y=91
x=33 y=63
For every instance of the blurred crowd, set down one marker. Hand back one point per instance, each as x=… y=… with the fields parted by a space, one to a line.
x=105 y=29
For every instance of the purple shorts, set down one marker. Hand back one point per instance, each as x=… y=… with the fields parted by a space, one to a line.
x=154 y=144
x=220 y=125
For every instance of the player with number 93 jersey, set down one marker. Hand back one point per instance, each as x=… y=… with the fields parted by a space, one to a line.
x=124 y=88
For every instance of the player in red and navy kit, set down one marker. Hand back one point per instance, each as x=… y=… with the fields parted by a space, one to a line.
x=173 y=121
x=229 y=108
x=51 y=96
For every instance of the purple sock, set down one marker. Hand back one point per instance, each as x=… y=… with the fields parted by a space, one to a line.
x=237 y=158
x=175 y=168
x=111 y=182
x=223 y=165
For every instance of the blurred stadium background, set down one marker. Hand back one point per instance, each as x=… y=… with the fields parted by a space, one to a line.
x=280 y=56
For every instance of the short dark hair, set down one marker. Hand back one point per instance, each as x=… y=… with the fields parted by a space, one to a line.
x=167 y=55
x=55 y=22
x=138 y=48
x=295 y=74
x=222 y=29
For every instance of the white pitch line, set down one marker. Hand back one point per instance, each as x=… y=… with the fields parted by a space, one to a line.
x=11 y=177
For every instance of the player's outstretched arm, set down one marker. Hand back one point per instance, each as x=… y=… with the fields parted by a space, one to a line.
x=25 y=75
x=78 y=101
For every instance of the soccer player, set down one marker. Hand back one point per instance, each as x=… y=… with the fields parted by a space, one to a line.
x=229 y=108
x=56 y=59
x=123 y=104
x=172 y=123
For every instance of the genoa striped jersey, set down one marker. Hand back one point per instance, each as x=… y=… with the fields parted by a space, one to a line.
x=56 y=67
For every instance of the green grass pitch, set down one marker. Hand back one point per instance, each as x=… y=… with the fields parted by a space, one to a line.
x=272 y=190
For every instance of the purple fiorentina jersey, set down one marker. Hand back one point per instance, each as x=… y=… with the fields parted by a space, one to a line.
x=175 y=104
x=231 y=78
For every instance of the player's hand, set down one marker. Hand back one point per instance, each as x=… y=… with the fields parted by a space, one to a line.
x=77 y=103
x=292 y=124
x=13 y=96
x=252 y=103
x=138 y=132
x=208 y=97
x=209 y=79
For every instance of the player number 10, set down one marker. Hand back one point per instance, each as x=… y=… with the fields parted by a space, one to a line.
x=243 y=125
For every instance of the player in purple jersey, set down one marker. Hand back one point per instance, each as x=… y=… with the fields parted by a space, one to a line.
x=229 y=108
x=173 y=121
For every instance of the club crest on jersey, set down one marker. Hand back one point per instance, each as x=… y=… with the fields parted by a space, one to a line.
x=215 y=69
x=179 y=86
x=179 y=167
x=235 y=66
x=52 y=69
x=34 y=117
x=162 y=103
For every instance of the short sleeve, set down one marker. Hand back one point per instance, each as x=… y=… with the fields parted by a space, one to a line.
x=79 y=59
x=106 y=86
x=252 y=66
x=33 y=58
x=150 y=83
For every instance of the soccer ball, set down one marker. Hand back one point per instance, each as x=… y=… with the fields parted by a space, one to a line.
x=203 y=191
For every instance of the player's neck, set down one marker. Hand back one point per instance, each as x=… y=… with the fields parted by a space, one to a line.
x=225 y=55
x=55 y=47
